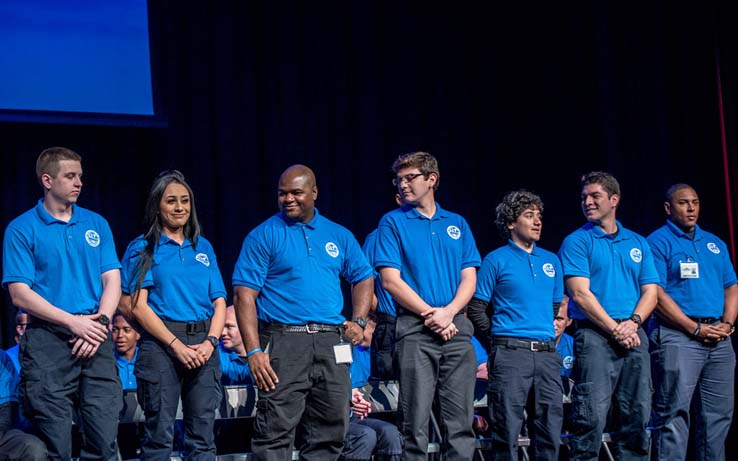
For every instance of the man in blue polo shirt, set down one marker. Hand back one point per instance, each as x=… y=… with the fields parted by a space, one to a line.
x=290 y=268
x=524 y=284
x=691 y=353
x=233 y=353
x=60 y=266
x=611 y=279
x=428 y=262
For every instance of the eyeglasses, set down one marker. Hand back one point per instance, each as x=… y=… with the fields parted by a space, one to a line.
x=408 y=178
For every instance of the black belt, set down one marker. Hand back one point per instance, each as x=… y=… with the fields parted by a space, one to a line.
x=528 y=344
x=708 y=320
x=307 y=328
x=189 y=328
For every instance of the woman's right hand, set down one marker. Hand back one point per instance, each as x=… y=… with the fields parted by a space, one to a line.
x=190 y=358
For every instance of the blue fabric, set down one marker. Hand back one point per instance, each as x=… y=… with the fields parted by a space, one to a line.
x=9 y=379
x=479 y=351
x=688 y=373
x=565 y=348
x=13 y=354
x=616 y=267
x=283 y=260
x=361 y=366
x=183 y=281
x=430 y=253
x=385 y=304
x=235 y=370
x=699 y=297
x=125 y=371
x=522 y=287
x=61 y=261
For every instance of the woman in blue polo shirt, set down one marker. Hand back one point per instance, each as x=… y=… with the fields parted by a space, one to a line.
x=178 y=298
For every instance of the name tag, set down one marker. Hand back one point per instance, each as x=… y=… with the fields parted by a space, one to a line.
x=689 y=270
x=342 y=352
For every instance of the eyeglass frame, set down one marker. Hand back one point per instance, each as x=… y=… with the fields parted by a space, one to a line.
x=397 y=181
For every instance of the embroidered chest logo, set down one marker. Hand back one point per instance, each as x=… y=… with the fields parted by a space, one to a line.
x=332 y=249
x=713 y=247
x=636 y=255
x=92 y=238
x=549 y=269
x=453 y=232
x=568 y=362
x=202 y=258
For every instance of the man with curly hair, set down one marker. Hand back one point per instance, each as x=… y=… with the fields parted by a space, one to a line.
x=524 y=283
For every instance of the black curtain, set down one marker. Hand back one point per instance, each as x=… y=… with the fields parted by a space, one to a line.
x=505 y=96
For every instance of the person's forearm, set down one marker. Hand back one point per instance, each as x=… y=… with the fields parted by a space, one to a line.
x=362 y=295
x=244 y=302
x=23 y=297
x=589 y=305
x=730 y=310
x=401 y=292
x=218 y=319
x=111 y=293
x=465 y=291
x=670 y=312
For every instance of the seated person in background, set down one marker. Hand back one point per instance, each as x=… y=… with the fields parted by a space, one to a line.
x=125 y=338
x=480 y=422
x=21 y=320
x=367 y=436
x=564 y=342
x=14 y=443
x=233 y=353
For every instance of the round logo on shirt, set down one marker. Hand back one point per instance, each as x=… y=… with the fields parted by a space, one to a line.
x=332 y=249
x=636 y=255
x=202 y=258
x=568 y=362
x=453 y=232
x=549 y=270
x=713 y=247
x=92 y=238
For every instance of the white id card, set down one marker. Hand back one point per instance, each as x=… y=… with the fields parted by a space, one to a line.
x=689 y=270
x=342 y=352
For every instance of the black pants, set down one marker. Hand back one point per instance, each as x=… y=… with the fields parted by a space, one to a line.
x=384 y=367
x=54 y=382
x=313 y=392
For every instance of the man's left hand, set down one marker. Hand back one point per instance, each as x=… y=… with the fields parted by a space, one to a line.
x=439 y=319
x=353 y=332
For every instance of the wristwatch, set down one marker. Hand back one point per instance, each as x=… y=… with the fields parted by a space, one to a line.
x=361 y=321
x=104 y=320
x=214 y=341
x=636 y=318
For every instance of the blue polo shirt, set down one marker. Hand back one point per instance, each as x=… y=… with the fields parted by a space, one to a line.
x=616 y=267
x=128 y=267
x=430 y=253
x=235 y=369
x=361 y=366
x=9 y=379
x=13 y=354
x=565 y=348
x=697 y=297
x=61 y=261
x=479 y=352
x=522 y=287
x=125 y=370
x=183 y=281
x=385 y=305
x=296 y=268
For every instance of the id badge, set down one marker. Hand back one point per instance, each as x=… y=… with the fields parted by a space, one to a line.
x=342 y=352
x=689 y=270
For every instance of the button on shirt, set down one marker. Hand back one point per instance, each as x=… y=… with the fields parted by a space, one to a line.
x=523 y=288
x=61 y=261
x=430 y=253
x=296 y=268
x=616 y=267
x=697 y=297
x=183 y=281
x=125 y=370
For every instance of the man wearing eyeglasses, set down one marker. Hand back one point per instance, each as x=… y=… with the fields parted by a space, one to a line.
x=428 y=261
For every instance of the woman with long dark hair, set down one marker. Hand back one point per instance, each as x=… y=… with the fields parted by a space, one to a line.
x=178 y=298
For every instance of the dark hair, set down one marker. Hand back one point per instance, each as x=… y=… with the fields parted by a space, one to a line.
x=513 y=204
x=606 y=180
x=152 y=222
x=423 y=161
x=676 y=188
x=48 y=160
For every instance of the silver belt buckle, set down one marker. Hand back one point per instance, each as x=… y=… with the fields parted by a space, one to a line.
x=308 y=330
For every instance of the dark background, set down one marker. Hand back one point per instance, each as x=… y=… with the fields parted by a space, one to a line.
x=505 y=97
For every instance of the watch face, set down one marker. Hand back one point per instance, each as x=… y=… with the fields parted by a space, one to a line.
x=104 y=319
x=361 y=321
